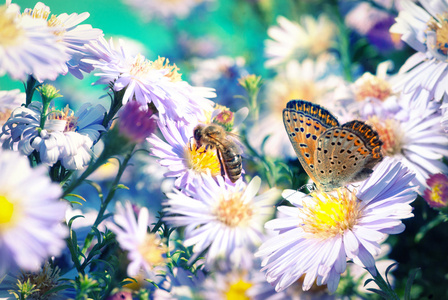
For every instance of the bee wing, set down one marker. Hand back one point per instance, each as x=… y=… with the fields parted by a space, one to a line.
x=234 y=138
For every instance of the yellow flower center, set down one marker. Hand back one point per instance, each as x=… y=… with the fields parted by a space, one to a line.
x=237 y=290
x=233 y=212
x=390 y=134
x=440 y=27
x=6 y=211
x=372 y=86
x=142 y=66
x=437 y=193
x=68 y=115
x=327 y=216
x=152 y=250
x=164 y=63
x=202 y=159
x=10 y=33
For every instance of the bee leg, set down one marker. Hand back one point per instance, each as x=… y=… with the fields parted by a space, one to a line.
x=221 y=163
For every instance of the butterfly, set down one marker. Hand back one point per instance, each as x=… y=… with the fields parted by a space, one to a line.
x=332 y=155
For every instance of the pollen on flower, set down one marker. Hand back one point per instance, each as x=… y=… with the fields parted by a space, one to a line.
x=10 y=33
x=54 y=21
x=38 y=12
x=327 y=215
x=237 y=290
x=202 y=159
x=233 y=211
x=390 y=134
x=140 y=66
x=152 y=250
x=440 y=27
x=66 y=114
x=371 y=86
x=164 y=63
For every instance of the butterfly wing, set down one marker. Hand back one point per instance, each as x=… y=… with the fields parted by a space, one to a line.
x=304 y=123
x=346 y=154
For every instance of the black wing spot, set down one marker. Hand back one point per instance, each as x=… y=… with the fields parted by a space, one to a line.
x=307 y=155
x=325 y=151
x=311 y=167
x=319 y=161
x=349 y=151
x=330 y=171
x=342 y=151
x=344 y=167
x=333 y=143
x=322 y=172
x=308 y=135
x=293 y=134
x=296 y=129
x=339 y=143
x=303 y=145
x=314 y=137
x=302 y=129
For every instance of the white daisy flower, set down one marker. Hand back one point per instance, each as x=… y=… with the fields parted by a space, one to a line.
x=145 y=250
x=310 y=80
x=226 y=219
x=424 y=29
x=29 y=47
x=322 y=230
x=31 y=215
x=292 y=41
x=66 y=136
x=148 y=81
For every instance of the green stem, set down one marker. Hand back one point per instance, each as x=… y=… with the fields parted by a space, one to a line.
x=384 y=286
x=105 y=155
x=105 y=203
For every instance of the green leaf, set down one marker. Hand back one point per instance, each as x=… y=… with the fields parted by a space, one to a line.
x=379 y=292
x=73 y=219
x=407 y=291
x=76 y=196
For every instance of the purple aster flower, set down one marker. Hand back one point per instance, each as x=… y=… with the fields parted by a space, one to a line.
x=147 y=81
x=322 y=230
x=414 y=136
x=180 y=154
x=224 y=218
x=70 y=34
x=29 y=47
x=145 y=250
x=424 y=29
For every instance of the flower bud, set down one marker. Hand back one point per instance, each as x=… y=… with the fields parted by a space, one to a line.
x=437 y=193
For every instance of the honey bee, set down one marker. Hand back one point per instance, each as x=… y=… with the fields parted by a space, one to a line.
x=229 y=153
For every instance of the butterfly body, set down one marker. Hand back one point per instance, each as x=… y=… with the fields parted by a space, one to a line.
x=332 y=155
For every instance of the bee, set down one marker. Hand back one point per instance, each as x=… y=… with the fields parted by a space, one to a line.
x=229 y=153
